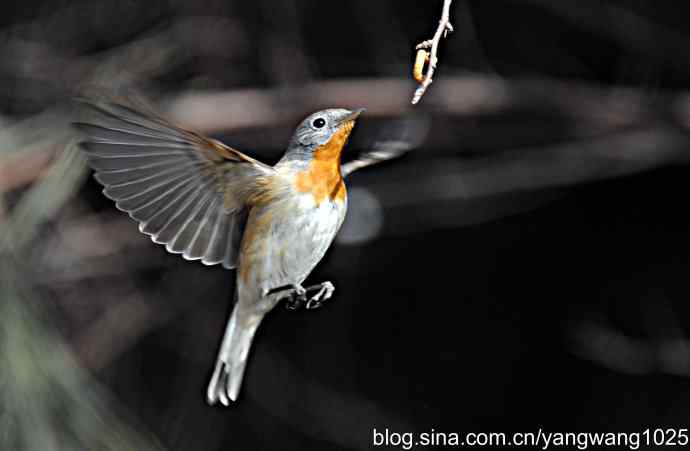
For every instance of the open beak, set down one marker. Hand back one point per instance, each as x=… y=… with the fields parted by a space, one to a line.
x=353 y=115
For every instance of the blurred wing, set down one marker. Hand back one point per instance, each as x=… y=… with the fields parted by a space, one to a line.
x=186 y=191
x=397 y=138
x=383 y=153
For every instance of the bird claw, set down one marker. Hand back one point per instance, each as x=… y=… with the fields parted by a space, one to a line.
x=326 y=290
x=449 y=29
x=297 y=299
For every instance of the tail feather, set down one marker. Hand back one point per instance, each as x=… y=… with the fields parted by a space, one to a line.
x=232 y=359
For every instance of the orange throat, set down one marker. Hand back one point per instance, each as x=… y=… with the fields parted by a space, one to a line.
x=322 y=177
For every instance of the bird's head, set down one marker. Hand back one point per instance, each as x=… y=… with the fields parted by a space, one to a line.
x=325 y=131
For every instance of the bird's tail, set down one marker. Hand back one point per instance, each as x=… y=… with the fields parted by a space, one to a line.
x=232 y=358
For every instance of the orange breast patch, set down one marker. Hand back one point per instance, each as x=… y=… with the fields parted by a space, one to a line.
x=322 y=178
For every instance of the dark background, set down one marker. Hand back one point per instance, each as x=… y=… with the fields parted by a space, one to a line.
x=557 y=299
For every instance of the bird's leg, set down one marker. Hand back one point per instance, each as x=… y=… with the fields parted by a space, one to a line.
x=295 y=295
x=325 y=291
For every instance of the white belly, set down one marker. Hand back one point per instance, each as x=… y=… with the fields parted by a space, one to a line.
x=292 y=243
x=316 y=230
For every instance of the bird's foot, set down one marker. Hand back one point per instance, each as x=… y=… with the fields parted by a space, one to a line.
x=298 y=297
x=324 y=292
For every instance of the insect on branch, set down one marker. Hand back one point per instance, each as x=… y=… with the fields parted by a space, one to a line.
x=424 y=55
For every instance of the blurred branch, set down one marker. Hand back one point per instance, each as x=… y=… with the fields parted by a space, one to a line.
x=533 y=168
x=591 y=109
x=23 y=169
x=137 y=62
x=44 y=199
x=614 y=350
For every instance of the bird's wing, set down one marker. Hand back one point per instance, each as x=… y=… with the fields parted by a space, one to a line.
x=186 y=191
x=380 y=154
x=395 y=139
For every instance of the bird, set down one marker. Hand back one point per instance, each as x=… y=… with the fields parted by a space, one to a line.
x=210 y=202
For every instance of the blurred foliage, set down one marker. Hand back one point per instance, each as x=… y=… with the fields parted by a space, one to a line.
x=47 y=401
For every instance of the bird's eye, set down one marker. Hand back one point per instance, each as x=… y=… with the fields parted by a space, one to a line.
x=319 y=122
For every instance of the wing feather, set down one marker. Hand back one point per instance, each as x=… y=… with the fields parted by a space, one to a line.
x=187 y=192
x=199 y=243
x=215 y=249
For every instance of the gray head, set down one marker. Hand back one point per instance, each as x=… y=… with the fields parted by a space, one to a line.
x=326 y=127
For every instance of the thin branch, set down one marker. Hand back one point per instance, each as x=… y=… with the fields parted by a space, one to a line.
x=444 y=27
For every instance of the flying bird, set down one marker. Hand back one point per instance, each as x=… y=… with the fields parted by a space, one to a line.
x=210 y=202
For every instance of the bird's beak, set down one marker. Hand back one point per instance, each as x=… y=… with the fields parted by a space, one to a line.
x=353 y=115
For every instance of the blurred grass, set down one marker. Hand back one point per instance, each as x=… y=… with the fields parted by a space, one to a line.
x=44 y=199
x=47 y=401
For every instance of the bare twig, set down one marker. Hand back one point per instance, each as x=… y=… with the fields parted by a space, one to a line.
x=444 y=27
